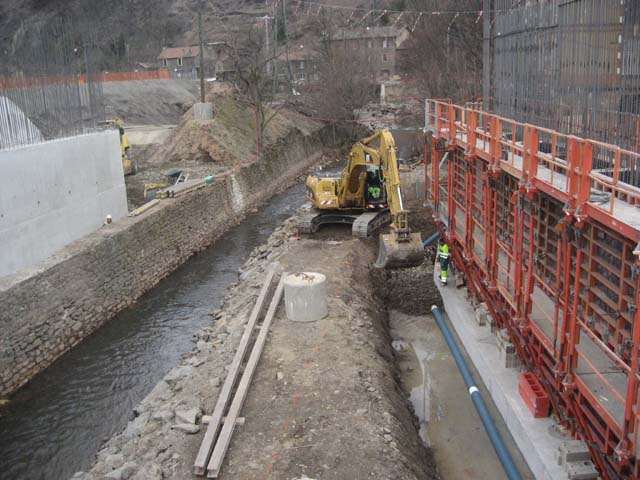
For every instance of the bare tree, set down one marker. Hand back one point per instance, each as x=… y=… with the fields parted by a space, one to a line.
x=255 y=76
x=345 y=82
x=444 y=53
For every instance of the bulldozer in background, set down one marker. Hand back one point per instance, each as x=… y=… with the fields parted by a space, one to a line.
x=128 y=165
x=368 y=196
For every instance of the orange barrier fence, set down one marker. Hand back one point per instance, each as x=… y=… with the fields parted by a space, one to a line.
x=30 y=82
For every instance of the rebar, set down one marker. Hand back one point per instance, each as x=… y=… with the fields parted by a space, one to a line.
x=49 y=85
x=572 y=66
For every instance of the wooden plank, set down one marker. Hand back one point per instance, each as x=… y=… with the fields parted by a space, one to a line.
x=207 y=418
x=234 y=370
x=144 y=208
x=213 y=468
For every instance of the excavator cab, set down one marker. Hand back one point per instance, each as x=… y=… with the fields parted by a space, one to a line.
x=376 y=194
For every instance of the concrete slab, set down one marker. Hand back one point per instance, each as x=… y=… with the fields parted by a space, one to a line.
x=536 y=438
x=203 y=111
x=55 y=193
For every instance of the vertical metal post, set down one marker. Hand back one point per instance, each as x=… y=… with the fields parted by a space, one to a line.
x=530 y=268
x=487 y=52
x=429 y=158
x=452 y=123
x=570 y=315
x=471 y=126
x=530 y=161
x=427 y=111
x=201 y=48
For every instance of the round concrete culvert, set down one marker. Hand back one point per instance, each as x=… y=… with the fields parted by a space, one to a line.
x=305 y=296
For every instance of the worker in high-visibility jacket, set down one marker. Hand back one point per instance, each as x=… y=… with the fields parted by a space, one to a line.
x=445 y=258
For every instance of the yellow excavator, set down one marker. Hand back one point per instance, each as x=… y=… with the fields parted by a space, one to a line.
x=368 y=196
x=128 y=165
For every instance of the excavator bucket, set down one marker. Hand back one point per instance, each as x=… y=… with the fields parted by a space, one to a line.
x=395 y=254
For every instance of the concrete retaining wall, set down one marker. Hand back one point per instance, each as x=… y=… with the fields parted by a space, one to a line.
x=92 y=279
x=54 y=193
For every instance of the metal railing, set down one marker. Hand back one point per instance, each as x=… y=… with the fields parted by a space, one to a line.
x=604 y=176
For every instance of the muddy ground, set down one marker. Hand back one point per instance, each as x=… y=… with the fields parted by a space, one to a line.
x=449 y=423
x=325 y=401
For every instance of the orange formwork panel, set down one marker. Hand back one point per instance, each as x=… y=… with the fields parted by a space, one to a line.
x=546 y=228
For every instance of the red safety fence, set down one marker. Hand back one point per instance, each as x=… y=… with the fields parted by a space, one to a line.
x=28 y=82
x=546 y=228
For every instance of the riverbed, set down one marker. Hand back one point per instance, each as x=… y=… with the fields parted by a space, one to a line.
x=54 y=426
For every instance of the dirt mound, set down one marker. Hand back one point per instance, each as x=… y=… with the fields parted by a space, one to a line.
x=149 y=102
x=229 y=138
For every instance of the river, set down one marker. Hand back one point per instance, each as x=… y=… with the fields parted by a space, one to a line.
x=56 y=424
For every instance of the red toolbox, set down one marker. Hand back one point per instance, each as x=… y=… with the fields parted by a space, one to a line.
x=535 y=397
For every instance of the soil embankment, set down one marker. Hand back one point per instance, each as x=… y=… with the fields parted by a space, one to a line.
x=212 y=147
x=325 y=401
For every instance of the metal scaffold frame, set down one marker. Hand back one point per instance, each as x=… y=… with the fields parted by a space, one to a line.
x=545 y=227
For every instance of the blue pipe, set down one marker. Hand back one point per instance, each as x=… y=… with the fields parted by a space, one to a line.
x=490 y=427
x=431 y=239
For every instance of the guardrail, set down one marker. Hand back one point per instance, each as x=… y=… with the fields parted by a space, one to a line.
x=600 y=176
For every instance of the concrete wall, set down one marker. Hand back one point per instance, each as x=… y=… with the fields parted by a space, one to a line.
x=97 y=276
x=54 y=193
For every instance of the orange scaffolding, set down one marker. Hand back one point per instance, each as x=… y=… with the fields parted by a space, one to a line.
x=545 y=227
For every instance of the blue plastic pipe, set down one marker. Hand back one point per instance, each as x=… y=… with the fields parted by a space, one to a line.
x=431 y=239
x=490 y=427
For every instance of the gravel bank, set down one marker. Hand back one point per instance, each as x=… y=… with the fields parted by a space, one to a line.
x=324 y=402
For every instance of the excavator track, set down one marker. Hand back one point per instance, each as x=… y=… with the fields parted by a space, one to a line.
x=306 y=223
x=368 y=223
x=311 y=221
x=363 y=225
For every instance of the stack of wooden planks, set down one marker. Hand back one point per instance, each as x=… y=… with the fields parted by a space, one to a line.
x=226 y=413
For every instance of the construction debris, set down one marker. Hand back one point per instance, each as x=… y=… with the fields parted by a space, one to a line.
x=181 y=188
x=508 y=356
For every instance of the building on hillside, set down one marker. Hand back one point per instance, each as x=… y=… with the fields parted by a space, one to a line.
x=180 y=61
x=222 y=65
x=303 y=61
x=185 y=61
x=377 y=45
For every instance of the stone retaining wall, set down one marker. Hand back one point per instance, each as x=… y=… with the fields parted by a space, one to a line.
x=47 y=311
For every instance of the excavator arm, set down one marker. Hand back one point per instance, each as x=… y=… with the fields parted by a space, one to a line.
x=388 y=161
x=400 y=248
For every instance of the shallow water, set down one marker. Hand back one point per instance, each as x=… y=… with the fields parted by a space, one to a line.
x=55 y=425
